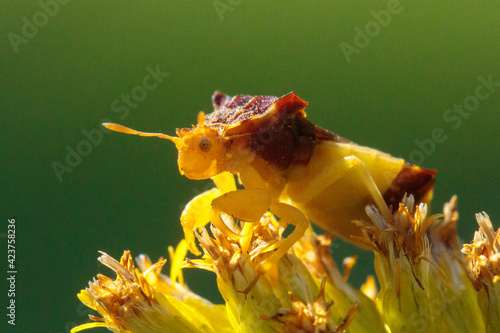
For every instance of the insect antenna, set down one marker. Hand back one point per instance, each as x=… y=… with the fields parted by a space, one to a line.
x=122 y=129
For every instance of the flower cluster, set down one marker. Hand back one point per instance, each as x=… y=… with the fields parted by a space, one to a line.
x=426 y=283
x=484 y=270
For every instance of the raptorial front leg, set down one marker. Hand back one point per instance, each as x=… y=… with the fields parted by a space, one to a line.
x=197 y=212
x=249 y=206
x=288 y=215
x=245 y=205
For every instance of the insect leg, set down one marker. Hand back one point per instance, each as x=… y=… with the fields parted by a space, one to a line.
x=288 y=215
x=225 y=182
x=197 y=214
x=197 y=211
x=355 y=163
x=246 y=205
x=338 y=171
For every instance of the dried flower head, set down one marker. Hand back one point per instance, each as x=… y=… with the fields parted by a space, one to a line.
x=251 y=295
x=131 y=304
x=310 y=316
x=484 y=254
x=484 y=270
x=425 y=282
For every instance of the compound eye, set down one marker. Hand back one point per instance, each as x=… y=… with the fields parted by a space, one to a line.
x=205 y=145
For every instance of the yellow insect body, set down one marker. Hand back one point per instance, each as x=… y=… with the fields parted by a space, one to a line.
x=299 y=171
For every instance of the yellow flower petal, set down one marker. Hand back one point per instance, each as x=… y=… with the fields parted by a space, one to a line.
x=87 y=326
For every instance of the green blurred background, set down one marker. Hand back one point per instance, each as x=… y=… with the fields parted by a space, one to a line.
x=127 y=193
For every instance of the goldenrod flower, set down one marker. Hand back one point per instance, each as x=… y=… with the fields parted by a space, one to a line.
x=423 y=284
x=252 y=296
x=426 y=284
x=484 y=270
x=311 y=316
x=314 y=252
x=147 y=302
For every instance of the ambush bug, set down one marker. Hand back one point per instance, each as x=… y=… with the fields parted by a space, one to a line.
x=288 y=165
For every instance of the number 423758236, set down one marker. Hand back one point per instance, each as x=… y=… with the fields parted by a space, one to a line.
x=11 y=241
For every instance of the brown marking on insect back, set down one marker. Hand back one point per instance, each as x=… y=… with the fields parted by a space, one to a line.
x=412 y=180
x=276 y=129
x=283 y=142
x=274 y=144
x=306 y=140
x=218 y=99
x=290 y=104
x=233 y=110
x=286 y=137
x=323 y=134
